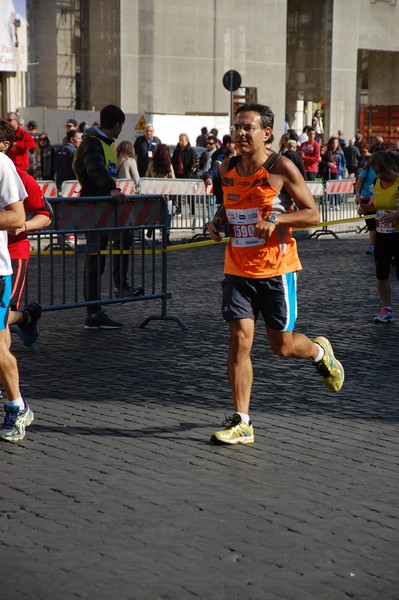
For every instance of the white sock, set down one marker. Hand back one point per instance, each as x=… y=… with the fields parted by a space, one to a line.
x=244 y=417
x=17 y=403
x=320 y=354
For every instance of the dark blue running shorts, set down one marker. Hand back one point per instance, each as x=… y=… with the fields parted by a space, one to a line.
x=386 y=247
x=274 y=297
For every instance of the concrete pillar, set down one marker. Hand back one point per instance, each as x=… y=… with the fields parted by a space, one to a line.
x=42 y=26
x=342 y=110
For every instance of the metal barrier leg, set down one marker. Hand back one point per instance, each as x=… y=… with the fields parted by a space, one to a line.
x=208 y=214
x=324 y=215
x=164 y=317
x=177 y=320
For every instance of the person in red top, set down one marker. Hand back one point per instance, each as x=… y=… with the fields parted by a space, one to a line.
x=37 y=216
x=23 y=142
x=310 y=152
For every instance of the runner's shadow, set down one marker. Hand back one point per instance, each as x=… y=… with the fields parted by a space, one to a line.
x=161 y=432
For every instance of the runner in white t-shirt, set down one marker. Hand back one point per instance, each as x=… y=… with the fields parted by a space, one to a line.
x=18 y=415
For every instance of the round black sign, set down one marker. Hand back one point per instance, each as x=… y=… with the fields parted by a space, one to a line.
x=232 y=80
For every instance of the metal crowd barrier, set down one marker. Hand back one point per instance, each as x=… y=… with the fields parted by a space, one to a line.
x=189 y=204
x=191 y=207
x=56 y=275
x=336 y=200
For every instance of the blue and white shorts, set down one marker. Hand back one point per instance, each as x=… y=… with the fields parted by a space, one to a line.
x=274 y=297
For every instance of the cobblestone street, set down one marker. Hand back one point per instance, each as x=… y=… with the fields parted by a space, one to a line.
x=116 y=493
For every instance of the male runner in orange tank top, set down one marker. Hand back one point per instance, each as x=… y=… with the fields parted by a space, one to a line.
x=261 y=262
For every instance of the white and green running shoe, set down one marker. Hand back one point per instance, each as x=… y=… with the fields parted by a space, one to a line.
x=15 y=422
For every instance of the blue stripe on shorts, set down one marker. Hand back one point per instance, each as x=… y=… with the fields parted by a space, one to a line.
x=289 y=283
x=5 y=296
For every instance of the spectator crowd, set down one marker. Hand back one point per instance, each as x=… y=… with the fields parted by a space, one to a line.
x=317 y=158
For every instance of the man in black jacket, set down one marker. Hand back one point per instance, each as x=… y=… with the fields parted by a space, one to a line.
x=64 y=158
x=352 y=157
x=144 y=147
x=95 y=168
x=292 y=154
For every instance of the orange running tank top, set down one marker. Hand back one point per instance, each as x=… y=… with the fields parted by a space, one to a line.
x=247 y=200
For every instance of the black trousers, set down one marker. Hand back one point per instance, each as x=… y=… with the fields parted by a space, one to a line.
x=95 y=263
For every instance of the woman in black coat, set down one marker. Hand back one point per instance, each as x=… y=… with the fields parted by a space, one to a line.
x=184 y=159
x=44 y=158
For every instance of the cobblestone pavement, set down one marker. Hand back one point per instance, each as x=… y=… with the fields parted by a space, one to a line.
x=116 y=494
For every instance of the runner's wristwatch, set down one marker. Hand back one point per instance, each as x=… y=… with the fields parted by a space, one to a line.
x=273 y=219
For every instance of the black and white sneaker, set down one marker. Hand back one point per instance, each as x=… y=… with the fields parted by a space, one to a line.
x=29 y=330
